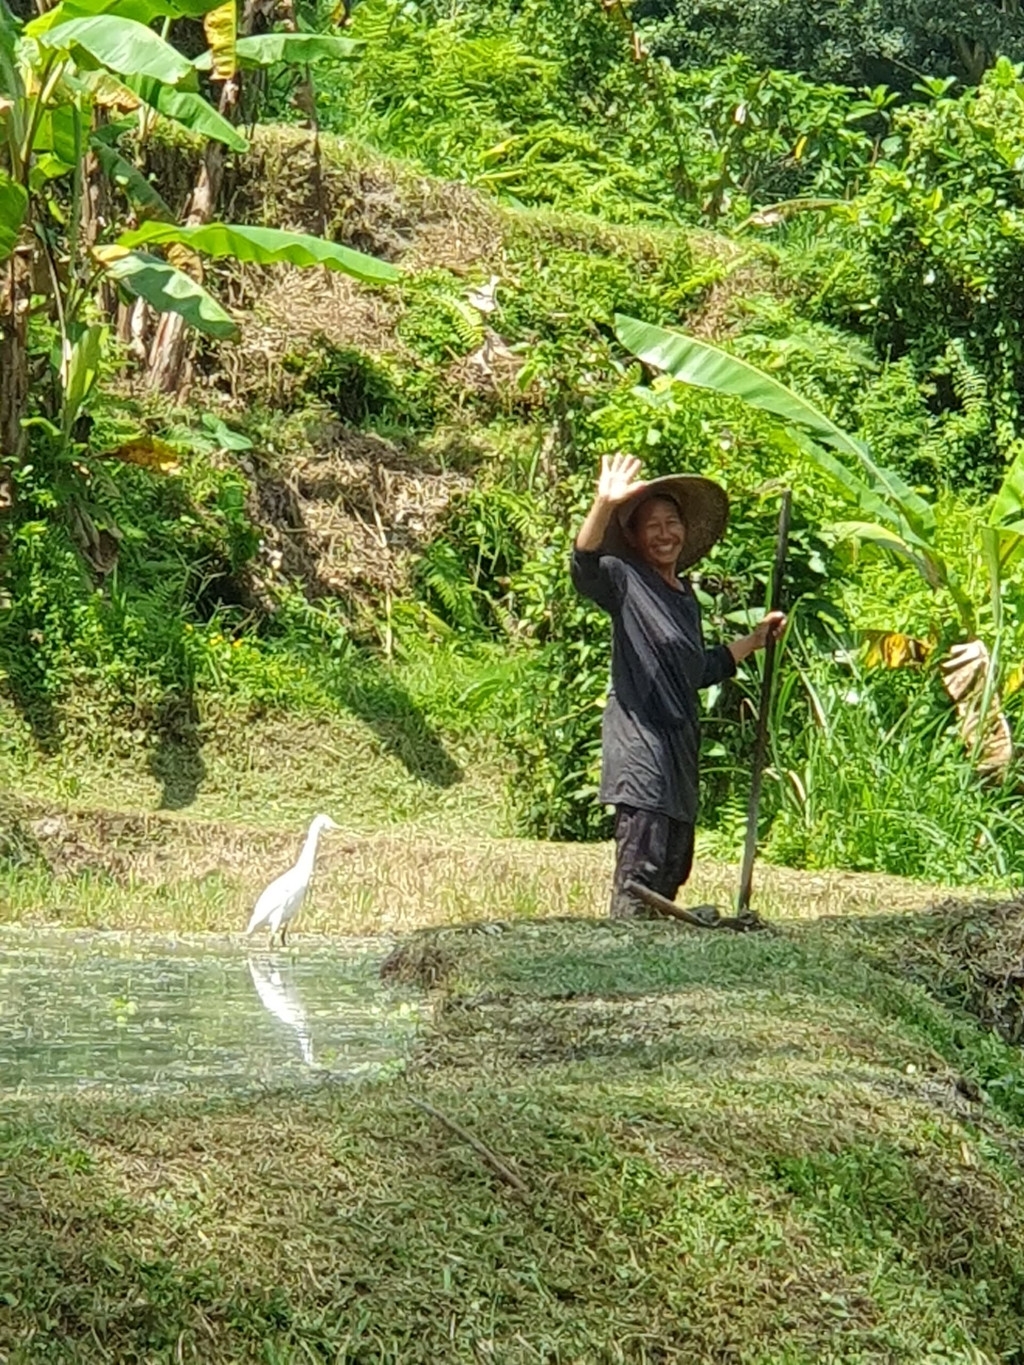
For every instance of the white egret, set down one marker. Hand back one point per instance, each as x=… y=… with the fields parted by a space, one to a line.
x=283 y=898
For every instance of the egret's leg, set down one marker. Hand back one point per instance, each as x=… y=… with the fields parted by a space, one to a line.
x=284 y=930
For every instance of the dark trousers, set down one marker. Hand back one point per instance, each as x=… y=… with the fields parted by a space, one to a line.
x=650 y=848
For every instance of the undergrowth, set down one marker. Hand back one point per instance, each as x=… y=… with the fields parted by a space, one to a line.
x=152 y=607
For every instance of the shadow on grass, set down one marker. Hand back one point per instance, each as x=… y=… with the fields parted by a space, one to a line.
x=177 y=760
x=400 y=725
x=30 y=699
x=19 y=847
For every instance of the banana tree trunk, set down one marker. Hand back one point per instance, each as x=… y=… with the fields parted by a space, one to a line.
x=168 y=353
x=15 y=276
x=97 y=212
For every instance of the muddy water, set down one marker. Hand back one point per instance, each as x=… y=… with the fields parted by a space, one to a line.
x=82 y=1011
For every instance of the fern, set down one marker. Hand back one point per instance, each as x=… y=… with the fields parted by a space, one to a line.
x=465 y=322
x=963 y=445
x=438 y=324
x=442 y=575
x=969 y=384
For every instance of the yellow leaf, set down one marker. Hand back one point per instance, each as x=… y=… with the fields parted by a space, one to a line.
x=219 y=26
x=149 y=452
x=109 y=93
x=964 y=676
x=185 y=260
x=1014 y=682
x=800 y=148
x=107 y=255
x=890 y=649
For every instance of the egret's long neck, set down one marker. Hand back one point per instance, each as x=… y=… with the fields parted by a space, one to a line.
x=308 y=855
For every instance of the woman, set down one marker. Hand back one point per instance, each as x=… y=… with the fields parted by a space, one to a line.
x=635 y=541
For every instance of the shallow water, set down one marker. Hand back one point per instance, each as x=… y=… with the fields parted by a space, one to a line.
x=87 y=1010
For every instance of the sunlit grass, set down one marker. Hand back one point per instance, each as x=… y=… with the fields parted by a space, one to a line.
x=741 y=1143
x=163 y=872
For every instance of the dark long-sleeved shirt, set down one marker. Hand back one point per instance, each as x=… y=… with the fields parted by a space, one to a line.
x=651 y=728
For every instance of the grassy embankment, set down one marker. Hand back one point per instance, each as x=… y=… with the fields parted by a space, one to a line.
x=756 y=1148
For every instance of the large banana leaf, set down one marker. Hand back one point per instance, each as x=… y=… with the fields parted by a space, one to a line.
x=13 y=204
x=125 y=47
x=1006 y=520
x=141 y=11
x=1008 y=508
x=295 y=49
x=188 y=109
x=870 y=503
x=11 y=83
x=166 y=289
x=708 y=367
x=79 y=372
x=264 y=246
x=867 y=533
x=130 y=180
x=59 y=130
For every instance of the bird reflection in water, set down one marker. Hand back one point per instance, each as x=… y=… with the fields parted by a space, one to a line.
x=281 y=999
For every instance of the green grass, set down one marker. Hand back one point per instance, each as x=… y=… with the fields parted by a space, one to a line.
x=371 y=770
x=734 y=1149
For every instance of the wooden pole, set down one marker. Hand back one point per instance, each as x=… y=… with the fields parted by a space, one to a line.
x=764 y=710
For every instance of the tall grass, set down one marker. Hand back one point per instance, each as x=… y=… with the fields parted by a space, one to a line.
x=873 y=774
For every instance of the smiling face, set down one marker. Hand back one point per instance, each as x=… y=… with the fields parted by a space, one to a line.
x=657 y=533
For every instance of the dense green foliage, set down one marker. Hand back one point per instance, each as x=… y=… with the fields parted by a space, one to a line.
x=889 y=294
x=848 y=40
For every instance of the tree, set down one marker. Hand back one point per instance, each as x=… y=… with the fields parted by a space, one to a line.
x=855 y=41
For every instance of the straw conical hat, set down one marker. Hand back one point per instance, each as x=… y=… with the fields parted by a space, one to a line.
x=703 y=505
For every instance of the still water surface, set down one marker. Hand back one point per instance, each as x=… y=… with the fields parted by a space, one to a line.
x=81 y=1010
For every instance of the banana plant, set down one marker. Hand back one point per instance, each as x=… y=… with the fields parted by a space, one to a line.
x=887 y=512
x=72 y=82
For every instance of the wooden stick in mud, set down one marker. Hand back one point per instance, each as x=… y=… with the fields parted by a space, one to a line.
x=495 y=1162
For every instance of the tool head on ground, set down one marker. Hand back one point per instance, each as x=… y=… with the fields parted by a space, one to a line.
x=703 y=508
x=700 y=916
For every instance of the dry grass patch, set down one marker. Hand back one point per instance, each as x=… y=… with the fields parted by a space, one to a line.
x=162 y=871
x=968 y=952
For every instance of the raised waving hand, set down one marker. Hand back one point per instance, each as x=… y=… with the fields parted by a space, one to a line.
x=619 y=479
